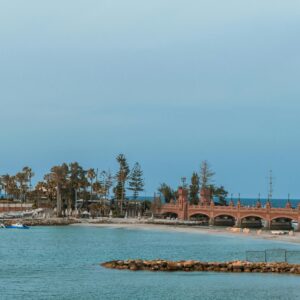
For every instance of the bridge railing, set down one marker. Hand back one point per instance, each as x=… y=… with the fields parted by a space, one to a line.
x=243 y=208
x=168 y=205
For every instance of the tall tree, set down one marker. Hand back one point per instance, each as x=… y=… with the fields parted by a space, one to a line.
x=48 y=186
x=77 y=181
x=121 y=177
x=194 y=189
x=5 y=182
x=206 y=175
x=29 y=174
x=136 y=181
x=59 y=175
x=167 y=192
x=91 y=175
x=104 y=184
x=107 y=182
x=21 y=181
x=10 y=186
x=220 y=192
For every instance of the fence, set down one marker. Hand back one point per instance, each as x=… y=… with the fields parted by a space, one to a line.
x=274 y=255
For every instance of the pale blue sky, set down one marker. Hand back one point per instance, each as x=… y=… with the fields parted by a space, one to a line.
x=167 y=83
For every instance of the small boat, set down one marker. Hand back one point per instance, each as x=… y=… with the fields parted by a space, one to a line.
x=2 y=225
x=17 y=226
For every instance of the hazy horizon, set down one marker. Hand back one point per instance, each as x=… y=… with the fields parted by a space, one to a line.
x=168 y=84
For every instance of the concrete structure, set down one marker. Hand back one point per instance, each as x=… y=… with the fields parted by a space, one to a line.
x=181 y=209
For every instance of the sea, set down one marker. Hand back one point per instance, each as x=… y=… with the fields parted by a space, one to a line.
x=274 y=202
x=64 y=263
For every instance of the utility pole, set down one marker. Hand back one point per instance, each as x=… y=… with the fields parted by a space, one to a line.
x=183 y=180
x=270 y=186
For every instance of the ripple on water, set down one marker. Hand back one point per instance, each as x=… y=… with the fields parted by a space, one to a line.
x=63 y=263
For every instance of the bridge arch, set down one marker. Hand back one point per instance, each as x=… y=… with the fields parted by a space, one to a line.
x=225 y=214
x=256 y=215
x=194 y=214
x=203 y=218
x=253 y=221
x=284 y=217
x=281 y=223
x=170 y=214
x=224 y=220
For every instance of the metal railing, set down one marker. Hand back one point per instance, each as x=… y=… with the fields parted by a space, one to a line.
x=274 y=255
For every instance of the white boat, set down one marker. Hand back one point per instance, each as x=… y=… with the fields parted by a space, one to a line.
x=2 y=225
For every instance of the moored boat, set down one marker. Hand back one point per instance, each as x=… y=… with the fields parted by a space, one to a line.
x=17 y=226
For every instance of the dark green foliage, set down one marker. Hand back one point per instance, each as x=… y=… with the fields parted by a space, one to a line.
x=136 y=181
x=194 y=189
x=219 y=192
x=77 y=181
x=121 y=177
x=167 y=192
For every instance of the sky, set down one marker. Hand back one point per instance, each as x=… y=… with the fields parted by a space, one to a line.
x=167 y=83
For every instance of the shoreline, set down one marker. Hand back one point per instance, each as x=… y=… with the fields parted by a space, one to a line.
x=220 y=231
x=135 y=224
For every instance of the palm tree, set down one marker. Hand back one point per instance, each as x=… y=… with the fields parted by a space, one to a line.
x=22 y=185
x=59 y=176
x=29 y=174
x=91 y=175
x=10 y=186
x=77 y=181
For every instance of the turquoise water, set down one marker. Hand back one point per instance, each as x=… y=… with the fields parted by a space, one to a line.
x=63 y=263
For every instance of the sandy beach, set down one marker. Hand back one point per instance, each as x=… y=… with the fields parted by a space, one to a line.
x=142 y=225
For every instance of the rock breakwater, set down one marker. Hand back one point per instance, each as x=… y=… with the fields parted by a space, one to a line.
x=41 y=222
x=200 y=266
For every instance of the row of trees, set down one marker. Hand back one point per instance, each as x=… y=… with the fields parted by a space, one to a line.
x=199 y=181
x=67 y=183
x=18 y=185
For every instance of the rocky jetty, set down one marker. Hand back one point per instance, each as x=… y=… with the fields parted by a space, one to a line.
x=41 y=222
x=200 y=266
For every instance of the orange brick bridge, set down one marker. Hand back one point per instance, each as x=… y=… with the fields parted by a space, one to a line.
x=240 y=216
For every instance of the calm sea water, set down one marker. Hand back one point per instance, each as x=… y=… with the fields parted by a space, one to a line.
x=63 y=263
x=274 y=202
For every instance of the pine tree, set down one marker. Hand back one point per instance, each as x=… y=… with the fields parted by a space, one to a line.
x=121 y=177
x=136 y=183
x=206 y=175
x=194 y=189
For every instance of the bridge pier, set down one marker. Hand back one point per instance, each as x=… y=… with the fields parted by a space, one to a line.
x=211 y=222
x=238 y=223
x=267 y=225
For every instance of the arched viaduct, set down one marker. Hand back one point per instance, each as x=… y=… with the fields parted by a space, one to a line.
x=268 y=215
